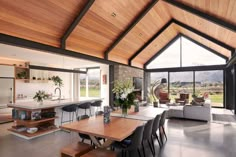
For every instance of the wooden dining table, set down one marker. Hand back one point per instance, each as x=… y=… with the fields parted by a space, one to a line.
x=116 y=130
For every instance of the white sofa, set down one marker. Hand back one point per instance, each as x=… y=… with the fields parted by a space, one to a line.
x=191 y=112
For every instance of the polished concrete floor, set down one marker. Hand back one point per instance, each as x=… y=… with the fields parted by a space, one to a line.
x=185 y=138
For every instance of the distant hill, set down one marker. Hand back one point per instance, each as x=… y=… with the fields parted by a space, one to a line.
x=202 y=76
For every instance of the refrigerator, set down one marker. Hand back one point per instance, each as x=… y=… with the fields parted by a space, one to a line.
x=6 y=91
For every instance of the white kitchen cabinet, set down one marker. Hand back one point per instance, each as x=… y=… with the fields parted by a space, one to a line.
x=7 y=71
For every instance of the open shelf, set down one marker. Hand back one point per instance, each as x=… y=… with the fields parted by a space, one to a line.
x=33 y=122
x=27 y=135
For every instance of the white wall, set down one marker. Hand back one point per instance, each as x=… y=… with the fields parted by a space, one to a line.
x=29 y=89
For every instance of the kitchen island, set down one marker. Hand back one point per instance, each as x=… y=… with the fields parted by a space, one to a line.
x=27 y=115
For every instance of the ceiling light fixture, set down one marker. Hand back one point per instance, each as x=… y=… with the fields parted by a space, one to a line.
x=113 y=14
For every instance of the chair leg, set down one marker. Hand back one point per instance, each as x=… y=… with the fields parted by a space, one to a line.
x=164 y=132
x=90 y=111
x=153 y=146
x=150 y=146
x=85 y=112
x=160 y=136
x=158 y=140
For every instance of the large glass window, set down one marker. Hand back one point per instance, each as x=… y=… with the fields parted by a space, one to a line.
x=159 y=76
x=210 y=82
x=90 y=83
x=181 y=82
x=94 y=83
x=82 y=85
x=195 y=55
x=184 y=53
x=169 y=58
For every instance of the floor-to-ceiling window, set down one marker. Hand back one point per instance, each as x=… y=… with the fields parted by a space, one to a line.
x=210 y=82
x=187 y=53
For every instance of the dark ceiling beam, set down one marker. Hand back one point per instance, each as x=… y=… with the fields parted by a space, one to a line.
x=232 y=60
x=205 y=16
x=204 y=35
x=205 y=47
x=130 y=27
x=150 y=41
x=19 y=42
x=161 y=51
x=75 y=23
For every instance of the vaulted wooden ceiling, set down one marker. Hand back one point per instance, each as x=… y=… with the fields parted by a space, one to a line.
x=111 y=27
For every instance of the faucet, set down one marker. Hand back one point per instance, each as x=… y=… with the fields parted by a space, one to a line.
x=59 y=92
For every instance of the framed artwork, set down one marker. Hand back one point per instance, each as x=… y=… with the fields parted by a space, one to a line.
x=104 y=79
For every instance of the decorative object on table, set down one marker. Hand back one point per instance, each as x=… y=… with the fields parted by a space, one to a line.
x=124 y=97
x=40 y=96
x=155 y=90
x=32 y=130
x=106 y=115
x=57 y=81
x=136 y=106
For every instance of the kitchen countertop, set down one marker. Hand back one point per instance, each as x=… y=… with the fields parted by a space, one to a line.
x=33 y=105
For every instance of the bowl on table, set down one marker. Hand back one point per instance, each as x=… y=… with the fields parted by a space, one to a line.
x=32 y=130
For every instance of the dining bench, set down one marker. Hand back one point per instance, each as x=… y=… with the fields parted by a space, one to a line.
x=76 y=149
x=100 y=153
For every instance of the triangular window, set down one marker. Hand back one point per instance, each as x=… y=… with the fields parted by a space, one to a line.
x=183 y=53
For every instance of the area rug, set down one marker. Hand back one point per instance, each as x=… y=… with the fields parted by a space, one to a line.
x=224 y=118
x=5 y=118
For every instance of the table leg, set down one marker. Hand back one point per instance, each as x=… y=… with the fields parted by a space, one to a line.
x=106 y=144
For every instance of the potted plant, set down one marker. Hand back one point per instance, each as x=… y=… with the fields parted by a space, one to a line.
x=57 y=81
x=40 y=96
x=124 y=97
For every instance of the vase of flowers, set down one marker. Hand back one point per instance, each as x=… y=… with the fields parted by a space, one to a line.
x=124 y=97
x=40 y=96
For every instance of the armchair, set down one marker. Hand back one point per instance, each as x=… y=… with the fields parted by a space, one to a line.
x=183 y=98
x=163 y=98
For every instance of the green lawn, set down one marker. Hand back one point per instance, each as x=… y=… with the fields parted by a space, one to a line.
x=93 y=92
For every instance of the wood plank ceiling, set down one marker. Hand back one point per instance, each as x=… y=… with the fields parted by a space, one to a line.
x=46 y=21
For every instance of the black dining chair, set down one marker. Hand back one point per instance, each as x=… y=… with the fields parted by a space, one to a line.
x=71 y=109
x=86 y=106
x=161 y=127
x=147 y=136
x=134 y=143
x=96 y=104
x=84 y=136
x=155 y=127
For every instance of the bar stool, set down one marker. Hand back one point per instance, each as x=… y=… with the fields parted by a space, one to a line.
x=96 y=104
x=70 y=109
x=85 y=106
